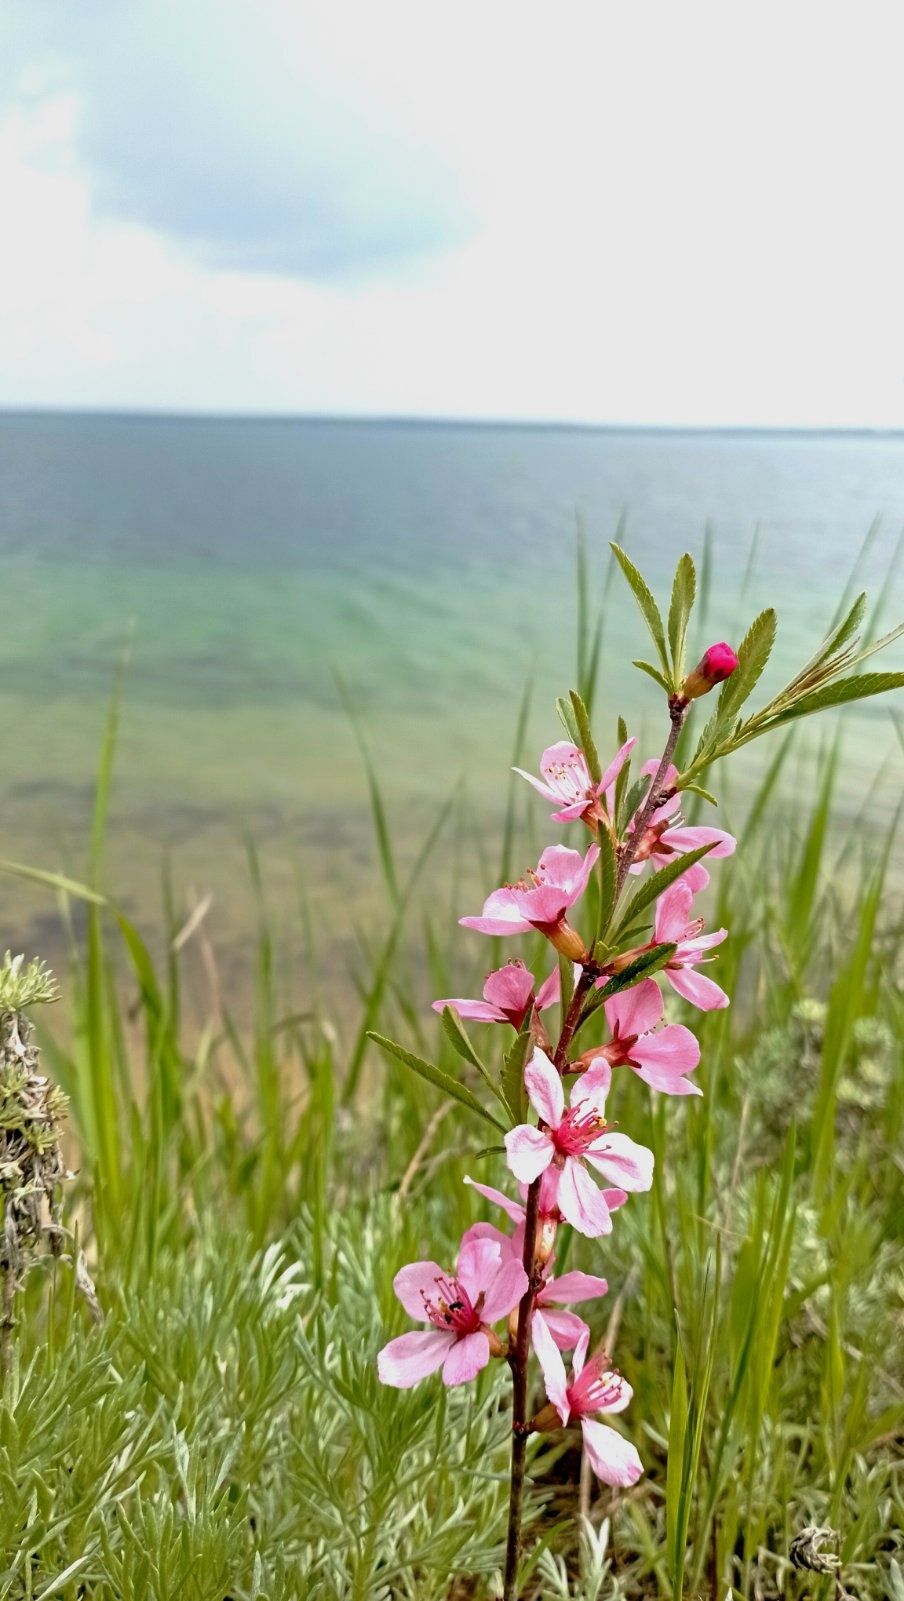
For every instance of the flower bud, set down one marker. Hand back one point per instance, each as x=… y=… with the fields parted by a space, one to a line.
x=716 y=664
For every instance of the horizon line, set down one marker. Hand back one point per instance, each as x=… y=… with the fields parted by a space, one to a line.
x=441 y=420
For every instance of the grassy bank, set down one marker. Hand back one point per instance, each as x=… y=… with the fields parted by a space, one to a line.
x=245 y=1196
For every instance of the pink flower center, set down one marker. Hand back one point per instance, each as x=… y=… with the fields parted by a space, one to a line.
x=577 y=1130
x=451 y=1308
x=596 y=1389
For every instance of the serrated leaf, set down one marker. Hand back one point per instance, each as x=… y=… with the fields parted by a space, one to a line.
x=630 y=802
x=566 y=718
x=753 y=654
x=648 y=607
x=644 y=966
x=840 y=693
x=436 y=1077
x=585 y=737
x=684 y=592
x=655 y=674
x=454 y=1031
x=607 y=872
x=513 y=1076
x=659 y=882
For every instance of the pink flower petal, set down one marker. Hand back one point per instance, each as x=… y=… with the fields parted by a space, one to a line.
x=513 y=1208
x=529 y=1152
x=500 y=915
x=415 y=1282
x=539 y=786
x=466 y=1358
x=580 y=1355
x=690 y=839
x=574 y=1286
x=566 y=1328
x=478 y=1011
x=695 y=987
x=554 y=1375
x=618 y=1157
x=544 y=1086
x=477 y=1266
x=673 y=913
x=550 y=993
x=595 y=1083
x=581 y=1203
x=412 y=1357
x=673 y=1049
x=612 y=1459
x=489 y=1231
x=505 y=1291
x=615 y=766
x=570 y=814
x=636 y=1010
x=510 y=988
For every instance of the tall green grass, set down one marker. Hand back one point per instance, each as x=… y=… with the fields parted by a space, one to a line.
x=247 y=1190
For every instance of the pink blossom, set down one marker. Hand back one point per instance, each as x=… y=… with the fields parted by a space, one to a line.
x=565 y=780
x=568 y=1289
x=716 y=664
x=674 y=925
x=508 y=996
x=559 y=879
x=460 y=1311
x=566 y=1140
x=660 y=1056
x=666 y=836
x=594 y=1388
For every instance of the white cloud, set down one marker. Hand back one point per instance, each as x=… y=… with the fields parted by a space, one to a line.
x=675 y=214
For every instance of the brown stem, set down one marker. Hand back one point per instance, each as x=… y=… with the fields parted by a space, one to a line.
x=677 y=713
x=520 y=1355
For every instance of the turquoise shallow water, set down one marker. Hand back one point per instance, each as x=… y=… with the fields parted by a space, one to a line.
x=432 y=566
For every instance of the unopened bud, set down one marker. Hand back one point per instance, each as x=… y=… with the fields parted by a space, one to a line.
x=546 y=1239
x=716 y=664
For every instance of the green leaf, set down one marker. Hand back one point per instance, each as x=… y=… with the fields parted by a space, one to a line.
x=585 y=740
x=697 y=789
x=675 y=1467
x=644 y=966
x=513 y=1089
x=753 y=654
x=455 y=1033
x=648 y=607
x=684 y=591
x=658 y=882
x=654 y=673
x=607 y=869
x=435 y=1075
x=629 y=803
x=838 y=694
x=566 y=717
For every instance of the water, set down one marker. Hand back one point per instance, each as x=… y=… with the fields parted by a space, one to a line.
x=247 y=563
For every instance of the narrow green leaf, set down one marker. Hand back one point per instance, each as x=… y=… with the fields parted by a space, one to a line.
x=585 y=739
x=628 y=804
x=567 y=719
x=684 y=592
x=753 y=654
x=839 y=694
x=655 y=674
x=513 y=1089
x=644 y=966
x=607 y=870
x=675 y=1470
x=458 y=1039
x=435 y=1075
x=697 y=789
x=648 y=607
x=658 y=882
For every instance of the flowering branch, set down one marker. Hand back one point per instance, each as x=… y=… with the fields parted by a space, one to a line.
x=558 y=1158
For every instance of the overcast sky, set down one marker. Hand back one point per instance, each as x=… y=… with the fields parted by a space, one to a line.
x=668 y=213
